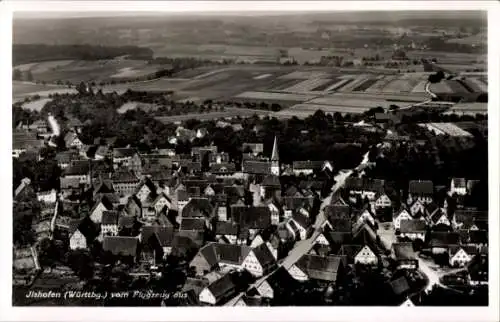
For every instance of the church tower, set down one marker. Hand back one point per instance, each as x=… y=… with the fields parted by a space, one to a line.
x=275 y=159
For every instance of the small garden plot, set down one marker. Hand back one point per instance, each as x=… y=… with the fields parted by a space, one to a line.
x=365 y=85
x=36 y=105
x=307 y=85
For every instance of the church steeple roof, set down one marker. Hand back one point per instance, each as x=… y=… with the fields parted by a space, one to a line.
x=275 y=155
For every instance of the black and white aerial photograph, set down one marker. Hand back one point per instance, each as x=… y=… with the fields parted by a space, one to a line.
x=329 y=158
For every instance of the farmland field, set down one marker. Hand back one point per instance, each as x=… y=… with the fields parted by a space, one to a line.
x=441 y=87
x=76 y=71
x=275 y=96
x=366 y=84
x=228 y=113
x=448 y=128
x=307 y=85
x=36 y=105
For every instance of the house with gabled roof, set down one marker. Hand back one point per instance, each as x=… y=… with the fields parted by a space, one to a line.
x=109 y=224
x=403 y=214
x=302 y=223
x=404 y=256
x=219 y=291
x=124 y=181
x=306 y=167
x=254 y=148
x=467 y=218
x=413 y=229
x=256 y=167
x=440 y=241
x=458 y=186
x=382 y=200
x=71 y=140
x=366 y=188
x=121 y=246
x=96 y=213
x=64 y=158
x=478 y=270
x=338 y=211
x=158 y=238
x=365 y=216
x=250 y=218
x=227 y=231
x=439 y=217
x=259 y=261
x=360 y=254
x=422 y=190
x=81 y=233
x=328 y=269
x=302 y=205
x=417 y=209
x=460 y=255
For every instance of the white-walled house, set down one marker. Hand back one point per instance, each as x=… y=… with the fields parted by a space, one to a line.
x=366 y=256
x=458 y=186
x=413 y=229
x=77 y=240
x=460 y=256
x=401 y=215
x=382 y=201
x=47 y=196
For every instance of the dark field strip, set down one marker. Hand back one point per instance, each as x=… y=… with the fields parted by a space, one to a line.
x=343 y=85
x=457 y=86
x=281 y=84
x=470 y=86
x=484 y=80
x=365 y=85
x=325 y=86
x=463 y=85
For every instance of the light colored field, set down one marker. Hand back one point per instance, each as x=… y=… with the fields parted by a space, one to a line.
x=380 y=84
x=24 y=67
x=356 y=82
x=337 y=85
x=305 y=75
x=448 y=128
x=420 y=87
x=473 y=107
x=275 y=96
x=440 y=87
x=263 y=76
x=304 y=110
x=21 y=89
x=36 y=105
x=481 y=38
x=228 y=113
x=349 y=102
x=400 y=86
x=307 y=85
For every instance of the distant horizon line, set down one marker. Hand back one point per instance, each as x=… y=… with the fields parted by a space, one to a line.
x=435 y=14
